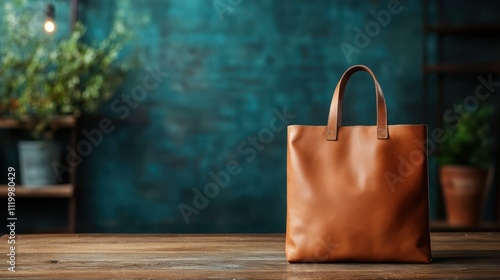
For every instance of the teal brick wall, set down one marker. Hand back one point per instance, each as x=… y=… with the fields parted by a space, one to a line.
x=229 y=65
x=219 y=75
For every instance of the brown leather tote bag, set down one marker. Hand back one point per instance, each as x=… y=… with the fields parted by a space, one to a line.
x=357 y=193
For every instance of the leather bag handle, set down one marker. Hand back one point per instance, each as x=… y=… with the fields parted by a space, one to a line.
x=335 y=115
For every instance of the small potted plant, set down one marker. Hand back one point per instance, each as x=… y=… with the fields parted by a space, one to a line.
x=42 y=79
x=465 y=159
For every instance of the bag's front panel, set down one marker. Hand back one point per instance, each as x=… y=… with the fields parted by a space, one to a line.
x=358 y=198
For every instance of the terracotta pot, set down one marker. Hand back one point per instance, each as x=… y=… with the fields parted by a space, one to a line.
x=464 y=189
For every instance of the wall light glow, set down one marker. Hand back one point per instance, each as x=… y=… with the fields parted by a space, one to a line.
x=49 y=26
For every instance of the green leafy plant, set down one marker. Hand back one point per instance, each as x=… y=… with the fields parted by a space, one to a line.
x=41 y=78
x=468 y=141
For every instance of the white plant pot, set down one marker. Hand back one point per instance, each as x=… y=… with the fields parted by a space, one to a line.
x=36 y=158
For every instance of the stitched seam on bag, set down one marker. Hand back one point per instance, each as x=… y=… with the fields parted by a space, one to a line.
x=381 y=132
x=330 y=135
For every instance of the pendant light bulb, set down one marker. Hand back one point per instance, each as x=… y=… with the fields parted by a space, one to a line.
x=50 y=25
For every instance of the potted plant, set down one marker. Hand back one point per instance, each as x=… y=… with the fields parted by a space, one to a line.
x=42 y=79
x=465 y=159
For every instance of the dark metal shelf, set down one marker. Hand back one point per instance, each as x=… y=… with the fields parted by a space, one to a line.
x=479 y=30
x=468 y=68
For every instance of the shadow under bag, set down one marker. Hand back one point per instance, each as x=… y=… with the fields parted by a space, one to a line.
x=357 y=193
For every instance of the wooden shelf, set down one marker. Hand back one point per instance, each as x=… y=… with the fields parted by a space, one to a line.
x=463 y=68
x=65 y=191
x=443 y=226
x=479 y=30
x=45 y=191
x=58 y=122
x=439 y=65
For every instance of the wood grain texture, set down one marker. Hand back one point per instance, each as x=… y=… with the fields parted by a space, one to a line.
x=101 y=256
x=58 y=122
x=65 y=190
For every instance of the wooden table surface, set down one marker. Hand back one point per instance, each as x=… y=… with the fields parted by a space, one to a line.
x=104 y=256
